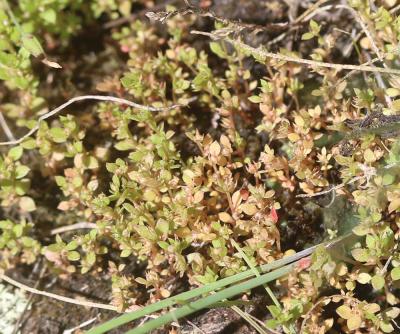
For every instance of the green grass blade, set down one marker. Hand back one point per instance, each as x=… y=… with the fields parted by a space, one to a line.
x=266 y=287
x=256 y=273
x=188 y=295
x=211 y=299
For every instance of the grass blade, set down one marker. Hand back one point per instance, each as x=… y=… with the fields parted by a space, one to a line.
x=188 y=295
x=212 y=299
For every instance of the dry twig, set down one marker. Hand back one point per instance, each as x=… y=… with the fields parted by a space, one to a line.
x=6 y=128
x=57 y=297
x=82 y=98
x=73 y=227
x=235 y=25
x=28 y=304
x=368 y=173
x=136 y=15
x=264 y=54
x=83 y=324
x=339 y=186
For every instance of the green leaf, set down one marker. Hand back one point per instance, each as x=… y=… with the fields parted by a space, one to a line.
x=28 y=242
x=306 y=36
x=27 y=204
x=188 y=55
x=360 y=254
x=91 y=258
x=146 y=233
x=72 y=245
x=372 y=308
x=49 y=15
x=162 y=227
x=58 y=135
x=32 y=45
x=18 y=230
x=164 y=245
x=314 y=26
x=392 y=92
x=217 y=49
x=90 y=162
x=22 y=187
x=6 y=225
x=15 y=153
x=363 y=278
x=396 y=105
x=395 y=274
x=77 y=181
x=203 y=78
x=361 y=230
x=392 y=312
x=21 y=171
x=255 y=99
x=132 y=80
x=369 y=156
x=378 y=282
x=386 y=327
x=150 y=195
x=141 y=280
x=125 y=145
x=274 y=310
x=60 y=180
x=126 y=253
x=73 y=256
x=29 y=143
x=344 y=312
x=388 y=179
x=354 y=322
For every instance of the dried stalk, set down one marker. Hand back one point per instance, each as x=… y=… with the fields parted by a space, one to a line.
x=54 y=296
x=73 y=227
x=339 y=186
x=264 y=54
x=6 y=129
x=368 y=173
x=235 y=25
x=82 y=98
x=83 y=324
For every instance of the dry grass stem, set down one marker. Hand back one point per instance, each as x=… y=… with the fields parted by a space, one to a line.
x=73 y=227
x=261 y=53
x=5 y=127
x=83 y=98
x=54 y=296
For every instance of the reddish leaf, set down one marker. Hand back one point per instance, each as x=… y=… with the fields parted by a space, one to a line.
x=274 y=215
x=304 y=263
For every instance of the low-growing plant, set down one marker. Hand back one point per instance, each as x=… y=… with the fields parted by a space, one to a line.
x=246 y=155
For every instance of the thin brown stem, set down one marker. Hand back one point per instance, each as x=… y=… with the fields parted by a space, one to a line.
x=82 y=98
x=73 y=227
x=57 y=297
x=262 y=53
